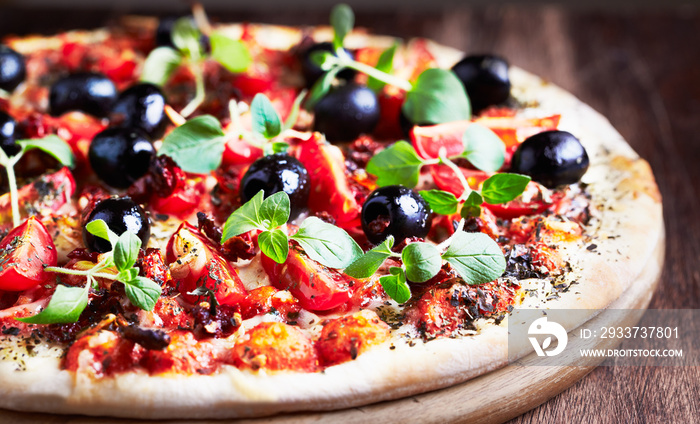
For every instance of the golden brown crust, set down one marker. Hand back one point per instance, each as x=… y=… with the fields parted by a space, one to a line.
x=627 y=227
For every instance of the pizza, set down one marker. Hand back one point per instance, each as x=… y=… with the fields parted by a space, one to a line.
x=239 y=220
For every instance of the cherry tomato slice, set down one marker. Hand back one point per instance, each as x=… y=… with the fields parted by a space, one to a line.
x=24 y=252
x=182 y=201
x=428 y=140
x=194 y=263
x=445 y=178
x=317 y=287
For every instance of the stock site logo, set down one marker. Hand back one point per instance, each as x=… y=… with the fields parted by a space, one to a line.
x=541 y=327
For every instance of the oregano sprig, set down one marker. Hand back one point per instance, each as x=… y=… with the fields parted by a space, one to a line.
x=323 y=242
x=52 y=145
x=162 y=62
x=67 y=303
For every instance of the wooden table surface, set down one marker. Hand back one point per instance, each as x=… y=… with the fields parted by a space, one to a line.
x=642 y=71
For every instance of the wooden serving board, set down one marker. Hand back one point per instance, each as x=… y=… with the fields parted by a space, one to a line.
x=492 y=398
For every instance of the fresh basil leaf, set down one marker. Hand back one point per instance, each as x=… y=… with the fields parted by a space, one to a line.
x=327 y=244
x=472 y=206
x=65 y=306
x=231 y=54
x=266 y=120
x=160 y=65
x=100 y=229
x=274 y=244
x=483 y=148
x=437 y=96
x=54 y=146
x=127 y=274
x=397 y=164
x=126 y=251
x=142 y=292
x=384 y=64
x=279 y=147
x=366 y=265
x=441 y=202
x=196 y=146
x=321 y=87
x=502 y=188
x=422 y=261
x=274 y=210
x=244 y=219
x=395 y=285
x=294 y=112
x=475 y=257
x=323 y=59
x=185 y=36
x=342 y=21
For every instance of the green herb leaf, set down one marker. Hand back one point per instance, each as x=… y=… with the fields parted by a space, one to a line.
x=274 y=210
x=475 y=257
x=422 y=261
x=185 y=37
x=205 y=291
x=294 y=112
x=278 y=147
x=483 y=148
x=441 y=202
x=160 y=65
x=266 y=120
x=126 y=251
x=342 y=21
x=197 y=146
x=502 y=188
x=384 y=64
x=231 y=54
x=395 y=285
x=369 y=263
x=327 y=244
x=437 y=96
x=321 y=87
x=142 y=292
x=100 y=229
x=54 y=146
x=323 y=59
x=397 y=164
x=274 y=244
x=472 y=206
x=65 y=306
x=244 y=219
x=127 y=274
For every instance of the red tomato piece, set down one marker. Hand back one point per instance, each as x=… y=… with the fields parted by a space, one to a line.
x=194 y=263
x=239 y=152
x=24 y=252
x=275 y=346
x=263 y=300
x=445 y=178
x=182 y=201
x=318 y=288
x=344 y=338
x=330 y=191
x=429 y=140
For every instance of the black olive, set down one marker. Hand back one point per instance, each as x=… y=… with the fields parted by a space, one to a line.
x=485 y=77
x=120 y=214
x=7 y=134
x=141 y=106
x=88 y=92
x=397 y=211
x=552 y=158
x=164 y=32
x=12 y=68
x=275 y=173
x=312 y=72
x=346 y=112
x=119 y=156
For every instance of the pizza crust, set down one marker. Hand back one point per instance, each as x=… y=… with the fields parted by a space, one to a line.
x=628 y=225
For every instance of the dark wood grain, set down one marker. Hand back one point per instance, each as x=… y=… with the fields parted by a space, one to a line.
x=642 y=71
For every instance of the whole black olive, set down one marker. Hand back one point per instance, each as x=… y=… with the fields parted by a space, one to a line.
x=346 y=112
x=312 y=72
x=164 y=32
x=485 y=77
x=275 y=173
x=552 y=158
x=395 y=210
x=7 y=134
x=119 y=156
x=12 y=68
x=120 y=214
x=141 y=106
x=88 y=92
